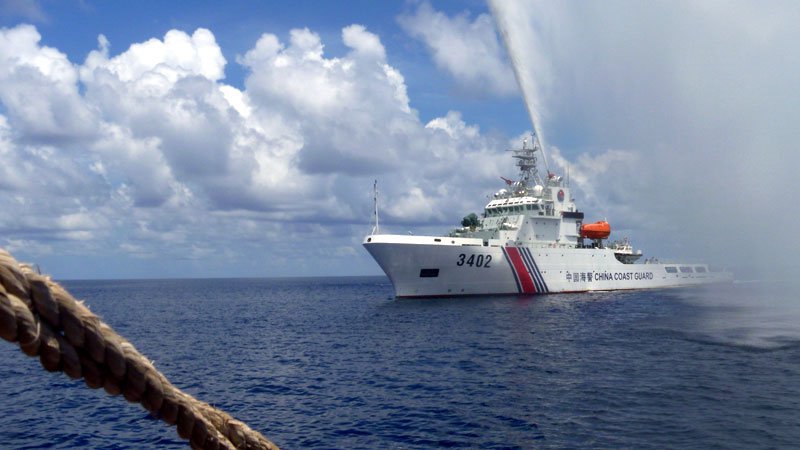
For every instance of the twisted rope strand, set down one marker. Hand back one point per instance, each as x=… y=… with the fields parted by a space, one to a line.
x=48 y=322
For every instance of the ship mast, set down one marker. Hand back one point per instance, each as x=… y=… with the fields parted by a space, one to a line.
x=526 y=161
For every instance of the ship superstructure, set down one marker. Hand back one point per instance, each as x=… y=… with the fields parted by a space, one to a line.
x=531 y=211
x=530 y=239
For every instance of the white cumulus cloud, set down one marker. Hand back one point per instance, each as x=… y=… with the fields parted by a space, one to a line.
x=149 y=153
x=38 y=88
x=467 y=49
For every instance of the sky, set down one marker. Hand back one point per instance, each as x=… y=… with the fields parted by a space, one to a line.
x=151 y=139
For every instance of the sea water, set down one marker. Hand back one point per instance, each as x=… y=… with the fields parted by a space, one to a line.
x=340 y=363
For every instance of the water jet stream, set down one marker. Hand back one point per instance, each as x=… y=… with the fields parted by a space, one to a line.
x=514 y=44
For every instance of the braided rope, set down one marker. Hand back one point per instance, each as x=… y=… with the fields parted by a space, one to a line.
x=49 y=323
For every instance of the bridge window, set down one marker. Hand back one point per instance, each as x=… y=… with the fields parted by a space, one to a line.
x=686 y=269
x=671 y=269
x=700 y=269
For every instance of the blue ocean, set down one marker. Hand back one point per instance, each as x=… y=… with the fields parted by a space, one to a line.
x=339 y=363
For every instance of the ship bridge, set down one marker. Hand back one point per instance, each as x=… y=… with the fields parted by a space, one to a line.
x=530 y=210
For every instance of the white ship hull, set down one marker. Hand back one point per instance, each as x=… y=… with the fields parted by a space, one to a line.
x=423 y=266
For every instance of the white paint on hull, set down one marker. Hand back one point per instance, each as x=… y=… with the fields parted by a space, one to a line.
x=469 y=266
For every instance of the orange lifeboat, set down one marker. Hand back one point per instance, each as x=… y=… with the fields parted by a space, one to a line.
x=597 y=230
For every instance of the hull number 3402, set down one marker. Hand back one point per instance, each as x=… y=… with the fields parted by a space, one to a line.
x=474 y=260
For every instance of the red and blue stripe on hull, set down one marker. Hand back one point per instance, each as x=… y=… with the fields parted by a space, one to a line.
x=526 y=272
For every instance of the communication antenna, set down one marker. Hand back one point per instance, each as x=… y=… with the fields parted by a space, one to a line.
x=375 y=227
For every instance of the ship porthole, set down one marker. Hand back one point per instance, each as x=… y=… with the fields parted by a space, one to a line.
x=369 y=239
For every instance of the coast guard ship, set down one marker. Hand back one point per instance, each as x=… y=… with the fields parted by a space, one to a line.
x=531 y=239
